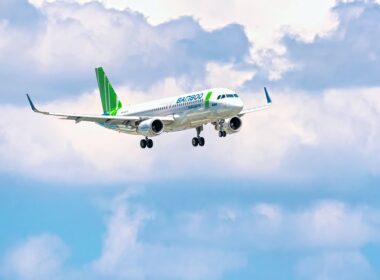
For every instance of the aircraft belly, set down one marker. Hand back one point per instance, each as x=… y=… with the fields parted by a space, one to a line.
x=192 y=119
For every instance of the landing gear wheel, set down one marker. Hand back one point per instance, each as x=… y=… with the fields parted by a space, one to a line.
x=143 y=143
x=220 y=133
x=224 y=134
x=149 y=143
x=195 y=141
x=201 y=141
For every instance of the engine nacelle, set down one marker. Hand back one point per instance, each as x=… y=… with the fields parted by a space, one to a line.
x=151 y=127
x=232 y=125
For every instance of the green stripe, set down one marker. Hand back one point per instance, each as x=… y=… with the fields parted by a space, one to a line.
x=207 y=101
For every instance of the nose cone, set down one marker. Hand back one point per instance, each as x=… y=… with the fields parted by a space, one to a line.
x=236 y=104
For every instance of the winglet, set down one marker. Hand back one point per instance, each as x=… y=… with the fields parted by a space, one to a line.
x=269 y=100
x=34 y=107
x=31 y=104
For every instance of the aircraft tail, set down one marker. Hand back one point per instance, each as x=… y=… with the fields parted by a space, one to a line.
x=110 y=101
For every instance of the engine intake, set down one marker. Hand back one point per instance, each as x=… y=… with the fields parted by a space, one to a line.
x=151 y=127
x=233 y=125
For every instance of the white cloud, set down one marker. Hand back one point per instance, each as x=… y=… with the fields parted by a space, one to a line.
x=325 y=225
x=64 y=41
x=125 y=256
x=88 y=36
x=38 y=258
x=224 y=75
x=263 y=20
x=333 y=224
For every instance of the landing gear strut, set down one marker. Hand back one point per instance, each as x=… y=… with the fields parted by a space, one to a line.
x=219 y=125
x=198 y=140
x=146 y=143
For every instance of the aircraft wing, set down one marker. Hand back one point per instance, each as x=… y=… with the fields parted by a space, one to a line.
x=100 y=118
x=258 y=108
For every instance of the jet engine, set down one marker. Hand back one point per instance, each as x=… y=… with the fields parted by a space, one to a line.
x=232 y=125
x=151 y=127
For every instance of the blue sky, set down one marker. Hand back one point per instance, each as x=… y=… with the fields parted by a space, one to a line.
x=294 y=195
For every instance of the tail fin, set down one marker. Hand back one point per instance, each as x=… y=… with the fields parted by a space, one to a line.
x=110 y=101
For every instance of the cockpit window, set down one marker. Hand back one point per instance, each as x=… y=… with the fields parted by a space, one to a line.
x=223 y=96
x=219 y=96
x=236 y=95
x=230 y=95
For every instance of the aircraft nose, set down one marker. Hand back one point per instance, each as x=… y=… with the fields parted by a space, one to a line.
x=238 y=104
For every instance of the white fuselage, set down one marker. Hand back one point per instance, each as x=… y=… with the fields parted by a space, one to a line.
x=188 y=110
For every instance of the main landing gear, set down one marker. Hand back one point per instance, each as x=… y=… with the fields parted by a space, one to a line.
x=222 y=134
x=146 y=143
x=198 y=140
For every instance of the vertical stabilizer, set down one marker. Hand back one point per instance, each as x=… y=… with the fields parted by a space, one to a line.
x=110 y=101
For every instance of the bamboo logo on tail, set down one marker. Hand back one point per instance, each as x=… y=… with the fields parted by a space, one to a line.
x=110 y=101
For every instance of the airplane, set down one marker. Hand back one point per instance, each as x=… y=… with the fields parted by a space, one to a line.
x=221 y=107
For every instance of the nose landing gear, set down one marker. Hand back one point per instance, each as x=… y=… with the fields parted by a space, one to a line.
x=220 y=126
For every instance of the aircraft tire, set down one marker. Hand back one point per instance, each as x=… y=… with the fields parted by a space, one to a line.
x=143 y=143
x=149 y=143
x=201 y=141
x=195 y=141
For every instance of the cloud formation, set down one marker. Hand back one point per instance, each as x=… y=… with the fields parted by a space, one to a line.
x=38 y=258
x=58 y=55
x=346 y=58
x=264 y=21
x=210 y=243
x=126 y=256
x=326 y=225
